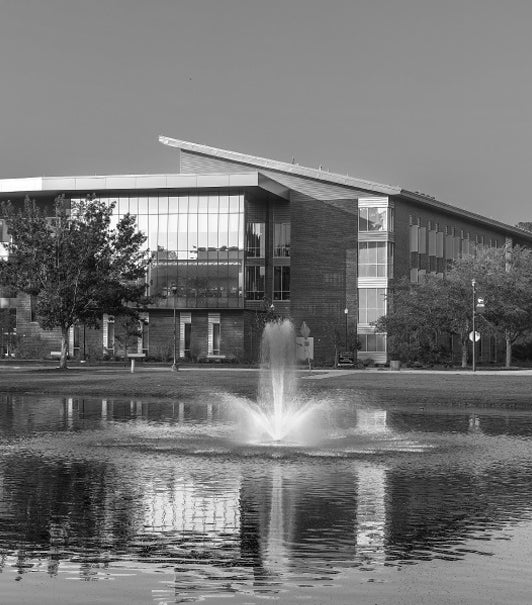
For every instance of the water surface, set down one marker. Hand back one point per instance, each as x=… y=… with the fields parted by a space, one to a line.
x=115 y=501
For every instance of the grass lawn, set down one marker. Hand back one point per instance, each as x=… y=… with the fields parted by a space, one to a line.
x=423 y=388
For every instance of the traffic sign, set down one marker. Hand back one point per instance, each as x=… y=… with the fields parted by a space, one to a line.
x=475 y=335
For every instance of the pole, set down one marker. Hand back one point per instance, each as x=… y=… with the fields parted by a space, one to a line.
x=473 y=284
x=174 y=365
x=346 y=312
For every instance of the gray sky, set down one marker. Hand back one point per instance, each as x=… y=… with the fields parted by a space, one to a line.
x=431 y=95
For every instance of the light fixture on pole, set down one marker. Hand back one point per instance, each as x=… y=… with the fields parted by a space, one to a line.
x=346 y=312
x=174 y=294
x=474 y=334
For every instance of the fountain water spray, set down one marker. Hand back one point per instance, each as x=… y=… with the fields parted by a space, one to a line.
x=278 y=410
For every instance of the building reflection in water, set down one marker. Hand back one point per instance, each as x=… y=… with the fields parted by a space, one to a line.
x=474 y=424
x=371 y=420
x=370 y=514
x=193 y=507
x=265 y=519
x=232 y=522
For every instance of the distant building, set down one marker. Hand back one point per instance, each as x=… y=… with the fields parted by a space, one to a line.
x=235 y=238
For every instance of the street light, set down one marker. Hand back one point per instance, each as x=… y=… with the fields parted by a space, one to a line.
x=474 y=334
x=346 y=311
x=174 y=365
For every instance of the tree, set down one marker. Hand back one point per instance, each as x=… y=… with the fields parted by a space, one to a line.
x=73 y=263
x=504 y=278
x=420 y=313
x=525 y=225
x=419 y=316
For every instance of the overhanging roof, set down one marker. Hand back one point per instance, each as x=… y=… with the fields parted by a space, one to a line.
x=128 y=182
x=295 y=169
x=340 y=179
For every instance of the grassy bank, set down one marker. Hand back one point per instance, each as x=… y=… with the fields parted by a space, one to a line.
x=424 y=388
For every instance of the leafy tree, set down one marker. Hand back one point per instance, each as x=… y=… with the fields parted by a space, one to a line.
x=73 y=263
x=418 y=317
x=420 y=314
x=525 y=225
x=504 y=279
x=128 y=330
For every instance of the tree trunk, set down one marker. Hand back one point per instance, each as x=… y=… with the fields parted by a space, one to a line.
x=64 y=349
x=464 y=354
x=508 y=361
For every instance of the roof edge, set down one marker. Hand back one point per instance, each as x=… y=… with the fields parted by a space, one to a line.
x=467 y=214
x=295 y=169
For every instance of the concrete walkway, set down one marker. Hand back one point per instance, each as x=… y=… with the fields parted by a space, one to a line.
x=314 y=374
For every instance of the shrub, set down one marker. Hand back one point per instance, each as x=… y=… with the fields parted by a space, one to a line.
x=31 y=348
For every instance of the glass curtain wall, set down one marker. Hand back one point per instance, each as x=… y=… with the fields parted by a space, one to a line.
x=196 y=242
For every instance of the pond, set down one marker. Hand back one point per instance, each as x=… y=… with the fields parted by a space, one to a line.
x=126 y=502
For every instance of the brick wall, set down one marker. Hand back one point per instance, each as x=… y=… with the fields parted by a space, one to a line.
x=232 y=334
x=161 y=334
x=324 y=245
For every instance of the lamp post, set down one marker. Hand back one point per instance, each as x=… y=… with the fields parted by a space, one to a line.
x=346 y=312
x=474 y=334
x=174 y=364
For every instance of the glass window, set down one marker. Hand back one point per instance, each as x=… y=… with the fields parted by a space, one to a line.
x=235 y=203
x=224 y=203
x=281 y=283
x=372 y=259
x=173 y=204
x=143 y=226
x=216 y=339
x=203 y=231
x=373 y=219
x=202 y=204
x=193 y=204
x=223 y=230
x=281 y=239
x=212 y=206
x=234 y=236
x=153 y=234
x=255 y=239
x=371 y=304
x=372 y=343
x=143 y=205
x=182 y=234
x=161 y=236
x=255 y=283
x=214 y=334
x=192 y=232
x=172 y=232
x=182 y=204
x=163 y=205
x=123 y=205
x=133 y=205
x=200 y=253
x=212 y=223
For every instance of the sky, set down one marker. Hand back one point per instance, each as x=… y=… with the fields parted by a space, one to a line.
x=430 y=95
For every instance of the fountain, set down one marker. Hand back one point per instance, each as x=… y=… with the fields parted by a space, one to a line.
x=281 y=417
x=278 y=411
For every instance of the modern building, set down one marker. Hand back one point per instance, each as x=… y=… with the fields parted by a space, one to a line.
x=235 y=238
